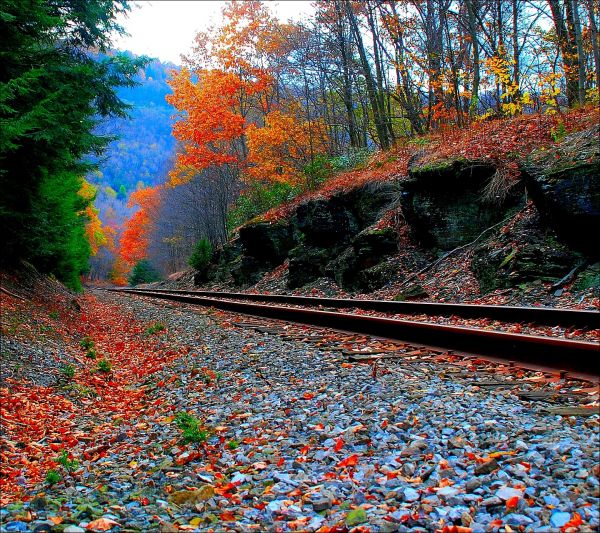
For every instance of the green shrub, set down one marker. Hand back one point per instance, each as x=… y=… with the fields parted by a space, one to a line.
x=68 y=371
x=86 y=343
x=352 y=159
x=52 y=477
x=64 y=460
x=200 y=258
x=91 y=353
x=143 y=272
x=318 y=171
x=190 y=429
x=258 y=198
x=104 y=366
x=155 y=328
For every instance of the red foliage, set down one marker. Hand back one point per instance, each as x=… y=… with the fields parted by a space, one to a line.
x=501 y=142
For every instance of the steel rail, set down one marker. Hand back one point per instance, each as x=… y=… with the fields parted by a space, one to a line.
x=551 y=352
x=538 y=315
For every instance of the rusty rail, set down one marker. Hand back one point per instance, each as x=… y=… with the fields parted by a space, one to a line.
x=558 y=353
x=538 y=315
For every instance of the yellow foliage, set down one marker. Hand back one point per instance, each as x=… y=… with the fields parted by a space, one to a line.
x=279 y=150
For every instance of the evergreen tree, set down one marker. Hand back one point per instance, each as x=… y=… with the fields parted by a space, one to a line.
x=143 y=272
x=54 y=88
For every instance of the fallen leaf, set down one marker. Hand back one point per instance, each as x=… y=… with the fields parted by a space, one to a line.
x=102 y=524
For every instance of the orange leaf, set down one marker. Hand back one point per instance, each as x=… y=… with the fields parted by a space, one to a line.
x=339 y=444
x=352 y=460
x=575 y=521
x=512 y=502
x=227 y=516
x=102 y=524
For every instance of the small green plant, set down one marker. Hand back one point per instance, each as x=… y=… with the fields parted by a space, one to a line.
x=104 y=366
x=54 y=315
x=68 y=371
x=70 y=465
x=52 y=477
x=81 y=390
x=190 y=429
x=558 y=132
x=91 y=353
x=200 y=258
x=233 y=444
x=155 y=328
x=86 y=343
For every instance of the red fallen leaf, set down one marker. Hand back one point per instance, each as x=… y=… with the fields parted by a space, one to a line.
x=102 y=524
x=304 y=450
x=339 y=444
x=511 y=503
x=227 y=516
x=308 y=395
x=352 y=460
x=575 y=521
x=384 y=424
x=281 y=461
x=454 y=529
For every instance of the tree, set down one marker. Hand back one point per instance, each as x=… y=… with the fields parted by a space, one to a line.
x=52 y=91
x=143 y=272
x=200 y=258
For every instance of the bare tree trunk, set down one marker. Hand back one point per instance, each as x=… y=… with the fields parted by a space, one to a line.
x=580 y=50
x=515 y=43
x=472 y=8
x=568 y=50
x=379 y=120
x=355 y=140
x=594 y=38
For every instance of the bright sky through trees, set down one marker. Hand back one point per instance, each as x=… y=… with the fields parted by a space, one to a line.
x=167 y=29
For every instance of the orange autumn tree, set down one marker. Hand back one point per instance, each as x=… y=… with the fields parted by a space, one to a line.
x=210 y=128
x=279 y=150
x=133 y=245
x=228 y=101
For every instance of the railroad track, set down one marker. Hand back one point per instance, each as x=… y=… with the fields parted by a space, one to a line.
x=548 y=352
x=538 y=315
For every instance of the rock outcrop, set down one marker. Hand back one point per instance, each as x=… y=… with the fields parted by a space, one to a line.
x=527 y=252
x=564 y=182
x=445 y=204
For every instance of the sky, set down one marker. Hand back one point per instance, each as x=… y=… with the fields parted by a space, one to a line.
x=166 y=29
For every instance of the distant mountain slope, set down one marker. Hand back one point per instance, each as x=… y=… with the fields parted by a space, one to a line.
x=141 y=154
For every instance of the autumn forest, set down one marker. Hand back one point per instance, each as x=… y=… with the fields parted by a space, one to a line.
x=260 y=112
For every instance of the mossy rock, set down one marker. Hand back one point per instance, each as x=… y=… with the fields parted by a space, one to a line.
x=307 y=264
x=268 y=243
x=246 y=271
x=564 y=183
x=376 y=277
x=510 y=266
x=588 y=279
x=414 y=292
x=445 y=205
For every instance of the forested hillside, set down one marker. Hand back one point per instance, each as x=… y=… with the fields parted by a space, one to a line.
x=274 y=110
x=54 y=91
x=139 y=157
